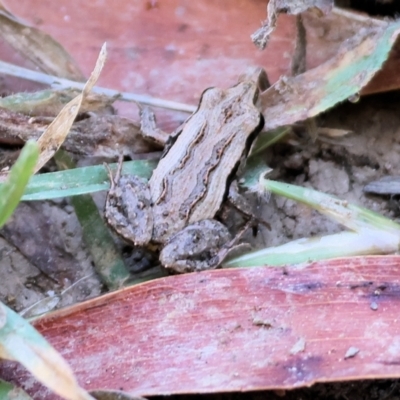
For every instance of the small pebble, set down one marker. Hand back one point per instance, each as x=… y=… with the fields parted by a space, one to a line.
x=374 y=305
x=351 y=352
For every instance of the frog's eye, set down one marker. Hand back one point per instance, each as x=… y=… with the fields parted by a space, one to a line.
x=211 y=97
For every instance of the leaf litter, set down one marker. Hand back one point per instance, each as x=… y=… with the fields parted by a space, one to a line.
x=287 y=91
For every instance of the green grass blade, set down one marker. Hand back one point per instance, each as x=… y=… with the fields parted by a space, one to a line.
x=351 y=216
x=107 y=259
x=373 y=233
x=83 y=180
x=255 y=167
x=255 y=163
x=9 y=392
x=344 y=244
x=267 y=139
x=12 y=190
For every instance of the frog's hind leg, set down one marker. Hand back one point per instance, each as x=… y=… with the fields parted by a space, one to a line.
x=201 y=246
x=240 y=204
x=196 y=247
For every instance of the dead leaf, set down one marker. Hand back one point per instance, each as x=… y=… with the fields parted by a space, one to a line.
x=108 y=136
x=37 y=46
x=55 y=134
x=294 y=7
x=47 y=251
x=195 y=333
x=294 y=99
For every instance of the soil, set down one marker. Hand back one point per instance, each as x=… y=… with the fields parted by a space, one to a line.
x=339 y=166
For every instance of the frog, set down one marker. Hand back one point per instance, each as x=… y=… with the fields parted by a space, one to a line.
x=175 y=211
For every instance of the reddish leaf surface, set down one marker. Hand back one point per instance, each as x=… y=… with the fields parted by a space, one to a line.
x=234 y=330
x=175 y=49
x=170 y=49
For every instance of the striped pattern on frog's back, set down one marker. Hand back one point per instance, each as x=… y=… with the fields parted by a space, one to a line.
x=190 y=181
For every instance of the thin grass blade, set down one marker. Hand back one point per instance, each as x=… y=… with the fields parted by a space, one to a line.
x=11 y=191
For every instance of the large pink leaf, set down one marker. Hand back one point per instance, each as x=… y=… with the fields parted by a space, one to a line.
x=234 y=330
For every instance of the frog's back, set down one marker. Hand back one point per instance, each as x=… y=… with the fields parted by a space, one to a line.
x=190 y=182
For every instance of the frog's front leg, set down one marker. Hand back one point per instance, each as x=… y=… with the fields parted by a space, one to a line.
x=128 y=208
x=196 y=247
x=150 y=130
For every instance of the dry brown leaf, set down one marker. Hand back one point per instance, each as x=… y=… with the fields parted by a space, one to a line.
x=297 y=98
x=37 y=46
x=294 y=7
x=55 y=134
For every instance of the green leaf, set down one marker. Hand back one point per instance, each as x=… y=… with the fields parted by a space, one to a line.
x=11 y=392
x=350 y=215
x=267 y=139
x=344 y=244
x=84 y=180
x=372 y=233
x=11 y=191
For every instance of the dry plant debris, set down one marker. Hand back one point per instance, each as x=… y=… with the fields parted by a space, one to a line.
x=273 y=322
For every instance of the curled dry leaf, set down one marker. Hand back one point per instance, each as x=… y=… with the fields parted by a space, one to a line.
x=16 y=129
x=55 y=134
x=108 y=136
x=275 y=7
x=37 y=46
x=293 y=99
